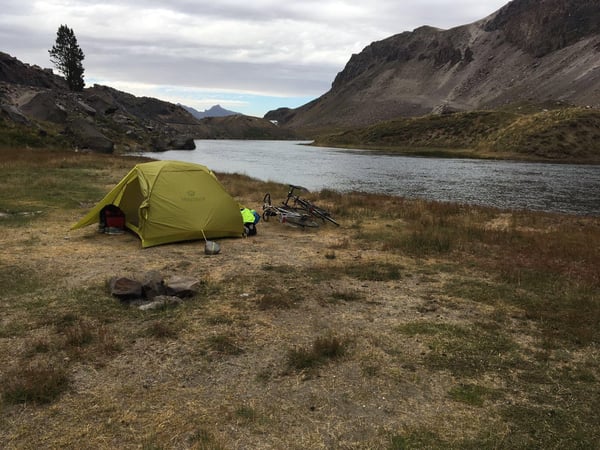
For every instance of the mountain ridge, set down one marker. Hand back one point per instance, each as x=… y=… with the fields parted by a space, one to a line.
x=539 y=51
x=213 y=111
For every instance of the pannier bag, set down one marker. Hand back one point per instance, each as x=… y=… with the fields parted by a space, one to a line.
x=112 y=220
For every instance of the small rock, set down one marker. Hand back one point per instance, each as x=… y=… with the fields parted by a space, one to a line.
x=182 y=286
x=161 y=301
x=153 y=285
x=125 y=289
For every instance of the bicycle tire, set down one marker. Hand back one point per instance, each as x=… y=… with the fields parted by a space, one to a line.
x=307 y=223
x=316 y=211
x=268 y=210
x=267 y=199
x=325 y=216
x=266 y=214
x=303 y=221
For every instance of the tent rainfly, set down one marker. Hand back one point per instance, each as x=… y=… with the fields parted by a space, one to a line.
x=171 y=201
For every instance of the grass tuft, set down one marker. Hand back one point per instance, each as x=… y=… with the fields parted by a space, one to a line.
x=80 y=334
x=36 y=382
x=204 y=439
x=163 y=330
x=472 y=394
x=224 y=344
x=323 y=349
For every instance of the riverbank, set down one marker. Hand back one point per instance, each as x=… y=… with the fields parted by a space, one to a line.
x=414 y=324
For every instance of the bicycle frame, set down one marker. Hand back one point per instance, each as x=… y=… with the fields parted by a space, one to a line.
x=295 y=198
x=286 y=214
x=310 y=208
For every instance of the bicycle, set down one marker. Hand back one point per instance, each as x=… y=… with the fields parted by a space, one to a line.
x=309 y=207
x=286 y=214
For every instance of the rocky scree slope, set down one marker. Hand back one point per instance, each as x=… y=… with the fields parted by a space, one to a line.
x=530 y=50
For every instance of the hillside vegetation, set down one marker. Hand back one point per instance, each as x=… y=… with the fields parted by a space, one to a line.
x=561 y=134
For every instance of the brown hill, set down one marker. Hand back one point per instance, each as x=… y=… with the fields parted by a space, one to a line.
x=536 y=51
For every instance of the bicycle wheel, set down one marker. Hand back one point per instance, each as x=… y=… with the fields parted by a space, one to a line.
x=268 y=209
x=268 y=212
x=267 y=199
x=306 y=221
x=296 y=219
x=320 y=213
x=324 y=215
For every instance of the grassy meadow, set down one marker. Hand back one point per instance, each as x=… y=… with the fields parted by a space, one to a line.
x=414 y=325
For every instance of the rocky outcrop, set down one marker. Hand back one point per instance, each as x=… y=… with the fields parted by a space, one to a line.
x=14 y=71
x=540 y=27
x=43 y=106
x=14 y=114
x=103 y=119
x=244 y=127
x=182 y=143
x=529 y=51
x=98 y=119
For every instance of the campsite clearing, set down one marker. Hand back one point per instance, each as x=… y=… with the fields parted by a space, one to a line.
x=412 y=325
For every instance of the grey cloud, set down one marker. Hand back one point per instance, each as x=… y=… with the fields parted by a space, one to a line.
x=292 y=48
x=296 y=80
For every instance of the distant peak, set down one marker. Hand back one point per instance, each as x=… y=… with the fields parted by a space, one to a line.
x=213 y=111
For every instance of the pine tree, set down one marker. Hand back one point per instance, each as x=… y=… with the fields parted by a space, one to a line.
x=66 y=55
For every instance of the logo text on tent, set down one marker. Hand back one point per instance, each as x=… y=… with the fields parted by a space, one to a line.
x=191 y=197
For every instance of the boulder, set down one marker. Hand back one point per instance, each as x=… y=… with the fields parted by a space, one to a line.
x=44 y=106
x=86 y=108
x=182 y=287
x=86 y=135
x=14 y=114
x=182 y=143
x=125 y=289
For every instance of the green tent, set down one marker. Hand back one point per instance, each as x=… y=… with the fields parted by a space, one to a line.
x=171 y=201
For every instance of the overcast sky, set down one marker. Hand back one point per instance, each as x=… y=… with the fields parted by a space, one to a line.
x=249 y=56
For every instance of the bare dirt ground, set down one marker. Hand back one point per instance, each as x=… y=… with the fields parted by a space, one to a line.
x=407 y=359
x=185 y=392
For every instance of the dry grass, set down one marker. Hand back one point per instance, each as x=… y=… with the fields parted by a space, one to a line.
x=413 y=325
x=529 y=132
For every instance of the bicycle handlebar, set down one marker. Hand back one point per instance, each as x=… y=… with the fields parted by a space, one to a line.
x=292 y=187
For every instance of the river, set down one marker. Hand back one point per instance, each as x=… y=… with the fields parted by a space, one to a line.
x=562 y=188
